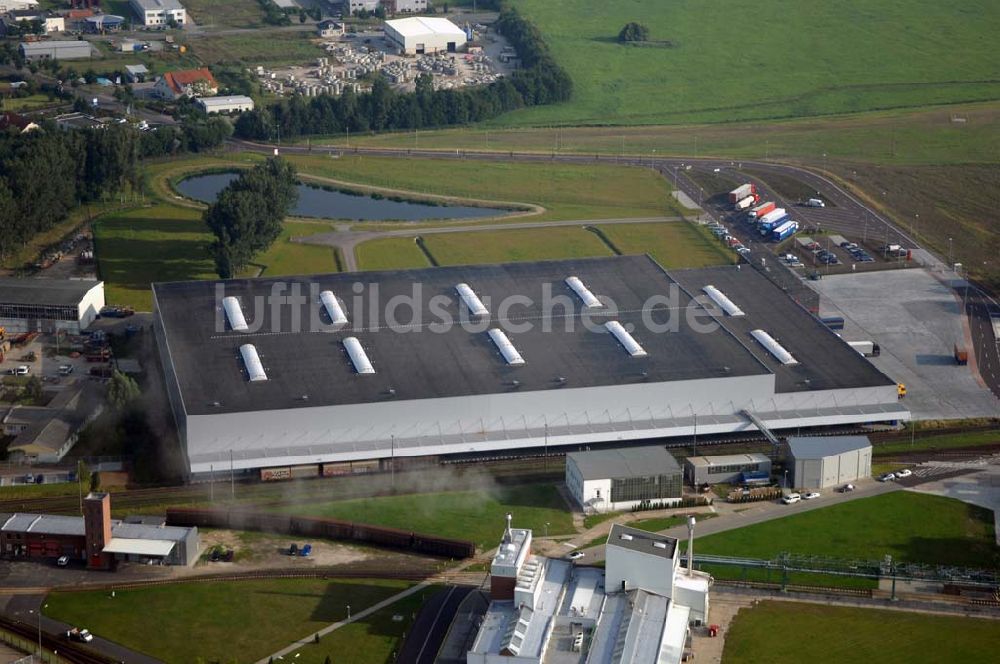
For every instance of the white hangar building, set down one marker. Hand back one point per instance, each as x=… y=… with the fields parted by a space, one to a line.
x=49 y=305
x=273 y=385
x=421 y=34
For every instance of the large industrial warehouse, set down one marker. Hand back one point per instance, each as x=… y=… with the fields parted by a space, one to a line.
x=421 y=34
x=546 y=358
x=49 y=305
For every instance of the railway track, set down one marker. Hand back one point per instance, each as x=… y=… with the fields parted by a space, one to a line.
x=72 y=652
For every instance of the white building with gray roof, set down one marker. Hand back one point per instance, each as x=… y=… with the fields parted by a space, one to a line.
x=819 y=462
x=620 y=479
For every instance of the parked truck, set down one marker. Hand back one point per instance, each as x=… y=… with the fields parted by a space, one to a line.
x=785 y=230
x=961 y=354
x=759 y=211
x=866 y=348
x=772 y=220
x=741 y=192
x=746 y=202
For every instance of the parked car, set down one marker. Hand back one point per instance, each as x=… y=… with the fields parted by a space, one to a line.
x=63 y=561
x=847 y=488
x=305 y=550
x=791 y=498
x=293 y=550
x=887 y=477
x=65 y=369
x=905 y=472
x=576 y=555
x=22 y=370
x=810 y=495
x=77 y=634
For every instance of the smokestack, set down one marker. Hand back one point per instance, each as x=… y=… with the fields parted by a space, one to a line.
x=507 y=535
x=691 y=522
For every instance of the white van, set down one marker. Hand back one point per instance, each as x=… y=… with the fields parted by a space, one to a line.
x=815 y=202
x=791 y=498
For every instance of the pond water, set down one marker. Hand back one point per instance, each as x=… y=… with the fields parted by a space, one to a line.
x=316 y=202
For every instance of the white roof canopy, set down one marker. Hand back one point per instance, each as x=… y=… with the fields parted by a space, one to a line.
x=140 y=547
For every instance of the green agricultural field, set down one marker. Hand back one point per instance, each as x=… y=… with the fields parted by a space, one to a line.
x=675 y=244
x=731 y=60
x=390 y=253
x=472 y=515
x=909 y=526
x=959 y=134
x=567 y=191
x=210 y=14
x=928 y=441
x=532 y=244
x=238 y=621
x=250 y=48
x=848 y=635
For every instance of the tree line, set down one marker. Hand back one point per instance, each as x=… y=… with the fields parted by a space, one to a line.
x=539 y=81
x=46 y=173
x=246 y=217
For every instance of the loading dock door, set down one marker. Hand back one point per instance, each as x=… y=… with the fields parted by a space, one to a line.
x=420 y=49
x=451 y=47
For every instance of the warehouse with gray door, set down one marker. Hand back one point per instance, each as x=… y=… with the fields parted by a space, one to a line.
x=827 y=461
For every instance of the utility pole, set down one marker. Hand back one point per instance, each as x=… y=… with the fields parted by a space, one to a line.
x=694 y=452
x=211 y=483
x=392 y=461
x=545 y=457
x=79 y=481
x=232 y=476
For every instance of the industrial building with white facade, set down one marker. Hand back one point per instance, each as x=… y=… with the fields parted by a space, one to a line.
x=49 y=305
x=613 y=480
x=636 y=610
x=827 y=461
x=261 y=377
x=421 y=34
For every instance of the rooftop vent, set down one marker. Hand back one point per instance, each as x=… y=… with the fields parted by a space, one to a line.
x=506 y=348
x=255 y=370
x=234 y=314
x=724 y=302
x=660 y=545
x=358 y=356
x=472 y=301
x=589 y=299
x=333 y=308
x=626 y=537
x=625 y=339
x=776 y=349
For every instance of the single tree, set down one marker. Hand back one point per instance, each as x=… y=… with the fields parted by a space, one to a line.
x=32 y=390
x=122 y=390
x=633 y=32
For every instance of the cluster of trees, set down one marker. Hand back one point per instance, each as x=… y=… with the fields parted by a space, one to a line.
x=246 y=217
x=44 y=174
x=634 y=32
x=540 y=81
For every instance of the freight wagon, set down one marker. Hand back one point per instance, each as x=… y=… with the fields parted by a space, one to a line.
x=785 y=230
x=760 y=210
x=319 y=527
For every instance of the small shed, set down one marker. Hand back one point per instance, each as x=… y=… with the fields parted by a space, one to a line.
x=820 y=462
x=136 y=73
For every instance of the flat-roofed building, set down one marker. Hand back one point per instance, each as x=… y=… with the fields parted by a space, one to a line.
x=49 y=305
x=225 y=104
x=55 y=50
x=820 y=462
x=620 y=479
x=155 y=13
x=726 y=469
x=417 y=35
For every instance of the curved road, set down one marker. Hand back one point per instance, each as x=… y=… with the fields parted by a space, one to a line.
x=848 y=214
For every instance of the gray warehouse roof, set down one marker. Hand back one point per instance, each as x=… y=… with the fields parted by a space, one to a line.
x=727 y=460
x=59 y=292
x=413 y=359
x=30 y=48
x=627 y=462
x=824 y=360
x=817 y=447
x=643 y=541
x=147 y=532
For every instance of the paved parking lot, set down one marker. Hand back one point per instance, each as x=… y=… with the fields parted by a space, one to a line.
x=916 y=320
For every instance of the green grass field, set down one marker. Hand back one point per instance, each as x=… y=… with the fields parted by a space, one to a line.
x=567 y=191
x=925 y=441
x=911 y=527
x=476 y=516
x=530 y=244
x=390 y=253
x=287 y=257
x=218 y=621
x=676 y=244
x=958 y=134
x=296 y=48
x=848 y=635
x=210 y=14
x=736 y=61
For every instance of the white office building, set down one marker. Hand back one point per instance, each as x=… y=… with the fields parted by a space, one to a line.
x=225 y=104
x=155 y=13
x=620 y=479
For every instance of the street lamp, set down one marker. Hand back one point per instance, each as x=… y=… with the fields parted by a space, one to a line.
x=44 y=606
x=348 y=611
x=784 y=483
x=546 y=528
x=950 y=246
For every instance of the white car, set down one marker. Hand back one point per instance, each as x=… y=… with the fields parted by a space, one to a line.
x=887 y=477
x=22 y=370
x=63 y=561
x=576 y=555
x=906 y=472
x=791 y=499
x=810 y=495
